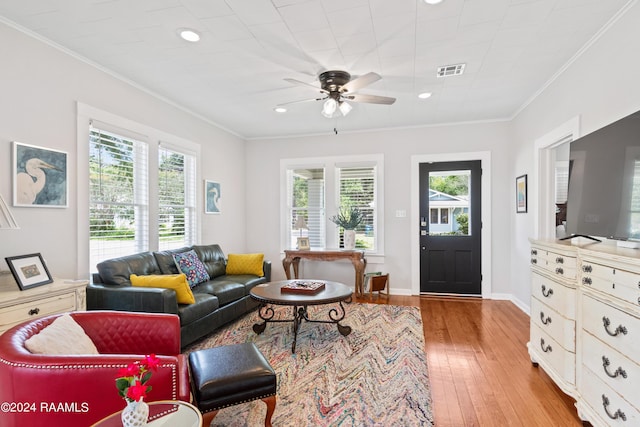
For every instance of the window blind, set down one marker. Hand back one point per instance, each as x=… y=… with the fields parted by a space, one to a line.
x=118 y=199
x=357 y=188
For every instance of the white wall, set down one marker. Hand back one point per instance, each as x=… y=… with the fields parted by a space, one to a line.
x=397 y=147
x=39 y=89
x=601 y=86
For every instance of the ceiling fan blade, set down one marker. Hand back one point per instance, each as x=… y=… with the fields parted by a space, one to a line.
x=360 y=82
x=371 y=99
x=307 y=85
x=298 y=102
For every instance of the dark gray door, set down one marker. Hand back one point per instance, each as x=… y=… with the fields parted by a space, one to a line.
x=450 y=227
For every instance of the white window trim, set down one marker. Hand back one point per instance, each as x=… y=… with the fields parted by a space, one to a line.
x=85 y=115
x=330 y=165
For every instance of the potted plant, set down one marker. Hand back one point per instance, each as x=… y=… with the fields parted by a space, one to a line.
x=349 y=218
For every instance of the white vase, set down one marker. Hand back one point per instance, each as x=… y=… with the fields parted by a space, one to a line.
x=349 y=239
x=135 y=414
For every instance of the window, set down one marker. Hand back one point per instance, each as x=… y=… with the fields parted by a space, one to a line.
x=315 y=189
x=176 y=199
x=118 y=199
x=357 y=188
x=129 y=213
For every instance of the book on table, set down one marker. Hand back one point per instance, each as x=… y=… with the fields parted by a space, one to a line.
x=302 y=287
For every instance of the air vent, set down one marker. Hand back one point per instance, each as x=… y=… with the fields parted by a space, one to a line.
x=450 y=70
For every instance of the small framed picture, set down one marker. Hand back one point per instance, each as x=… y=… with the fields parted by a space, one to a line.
x=303 y=243
x=521 y=194
x=29 y=271
x=212 y=197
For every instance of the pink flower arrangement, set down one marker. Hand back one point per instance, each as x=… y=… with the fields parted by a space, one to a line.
x=132 y=379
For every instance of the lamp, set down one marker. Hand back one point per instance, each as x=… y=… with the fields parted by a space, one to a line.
x=345 y=108
x=300 y=224
x=329 y=108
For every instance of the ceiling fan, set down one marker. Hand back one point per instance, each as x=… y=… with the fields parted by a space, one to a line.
x=337 y=88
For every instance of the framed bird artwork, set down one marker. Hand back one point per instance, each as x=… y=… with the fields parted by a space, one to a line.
x=212 y=197
x=39 y=177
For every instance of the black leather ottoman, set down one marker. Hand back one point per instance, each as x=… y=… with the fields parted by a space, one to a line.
x=229 y=375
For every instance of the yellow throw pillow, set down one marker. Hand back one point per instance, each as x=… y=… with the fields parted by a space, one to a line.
x=245 y=264
x=177 y=282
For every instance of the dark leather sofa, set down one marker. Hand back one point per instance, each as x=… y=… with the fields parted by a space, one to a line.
x=218 y=301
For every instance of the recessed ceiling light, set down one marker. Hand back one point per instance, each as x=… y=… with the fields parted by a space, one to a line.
x=280 y=110
x=189 y=35
x=424 y=95
x=432 y=1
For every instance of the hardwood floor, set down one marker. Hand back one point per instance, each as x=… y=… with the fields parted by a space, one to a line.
x=479 y=367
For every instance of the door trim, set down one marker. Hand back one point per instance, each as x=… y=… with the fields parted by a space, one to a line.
x=485 y=158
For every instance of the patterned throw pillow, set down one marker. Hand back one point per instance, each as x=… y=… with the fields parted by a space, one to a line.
x=192 y=267
x=245 y=264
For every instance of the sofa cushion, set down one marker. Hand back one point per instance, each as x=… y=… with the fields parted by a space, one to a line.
x=245 y=264
x=226 y=290
x=117 y=271
x=166 y=262
x=213 y=258
x=62 y=337
x=205 y=305
x=177 y=282
x=192 y=267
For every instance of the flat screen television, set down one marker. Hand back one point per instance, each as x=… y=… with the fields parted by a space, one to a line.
x=604 y=182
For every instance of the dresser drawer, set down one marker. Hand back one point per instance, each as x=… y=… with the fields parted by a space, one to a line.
x=557 y=264
x=562 y=361
x=621 y=284
x=609 y=405
x=561 y=329
x=614 y=369
x=557 y=296
x=11 y=316
x=611 y=326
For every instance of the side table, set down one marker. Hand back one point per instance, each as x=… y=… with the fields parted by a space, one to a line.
x=174 y=413
x=293 y=256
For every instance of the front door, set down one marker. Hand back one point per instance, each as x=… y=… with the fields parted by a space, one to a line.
x=450 y=227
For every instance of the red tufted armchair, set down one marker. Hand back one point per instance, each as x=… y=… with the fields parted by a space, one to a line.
x=48 y=390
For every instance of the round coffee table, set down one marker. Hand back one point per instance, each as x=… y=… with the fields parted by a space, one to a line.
x=272 y=294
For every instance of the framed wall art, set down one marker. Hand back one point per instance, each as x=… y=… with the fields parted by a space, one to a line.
x=39 y=177
x=521 y=194
x=303 y=243
x=212 y=197
x=29 y=271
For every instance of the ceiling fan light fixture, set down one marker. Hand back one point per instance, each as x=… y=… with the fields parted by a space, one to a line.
x=345 y=108
x=329 y=108
x=189 y=35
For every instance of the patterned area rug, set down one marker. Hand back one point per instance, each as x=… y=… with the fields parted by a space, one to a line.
x=376 y=376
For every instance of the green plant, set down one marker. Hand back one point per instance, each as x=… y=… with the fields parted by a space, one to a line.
x=348 y=217
x=463 y=222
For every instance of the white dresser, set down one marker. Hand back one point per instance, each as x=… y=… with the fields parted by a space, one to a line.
x=60 y=296
x=599 y=294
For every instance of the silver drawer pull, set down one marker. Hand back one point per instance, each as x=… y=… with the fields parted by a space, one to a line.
x=586 y=280
x=587 y=268
x=619 y=330
x=617 y=414
x=546 y=349
x=34 y=311
x=618 y=372
x=545 y=321
x=559 y=270
x=548 y=293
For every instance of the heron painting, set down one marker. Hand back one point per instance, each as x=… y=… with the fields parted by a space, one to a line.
x=40 y=176
x=211 y=197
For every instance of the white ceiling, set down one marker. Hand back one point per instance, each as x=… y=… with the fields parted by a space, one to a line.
x=234 y=76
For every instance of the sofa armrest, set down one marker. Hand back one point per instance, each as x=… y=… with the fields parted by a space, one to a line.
x=266 y=268
x=131 y=298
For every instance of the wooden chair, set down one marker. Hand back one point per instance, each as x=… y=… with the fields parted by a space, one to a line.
x=378 y=283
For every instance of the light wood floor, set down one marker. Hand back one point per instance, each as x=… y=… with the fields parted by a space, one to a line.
x=479 y=368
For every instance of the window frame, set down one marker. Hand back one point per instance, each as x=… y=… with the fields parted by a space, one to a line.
x=87 y=114
x=331 y=166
